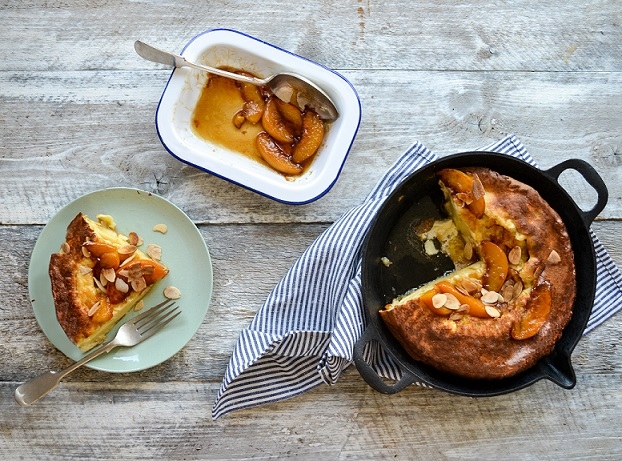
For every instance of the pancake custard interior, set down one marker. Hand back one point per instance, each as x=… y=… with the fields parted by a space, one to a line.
x=98 y=276
x=512 y=292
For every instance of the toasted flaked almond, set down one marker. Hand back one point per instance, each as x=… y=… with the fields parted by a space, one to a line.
x=456 y=316
x=493 y=312
x=148 y=270
x=507 y=291
x=478 y=188
x=464 y=308
x=139 y=284
x=468 y=251
x=86 y=252
x=139 y=305
x=99 y=284
x=109 y=274
x=160 y=228
x=471 y=285
x=135 y=239
x=154 y=251
x=452 y=302
x=94 y=308
x=518 y=289
x=554 y=257
x=490 y=297
x=120 y=285
x=172 y=292
x=465 y=198
x=439 y=300
x=514 y=255
x=430 y=247
x=128 y=260
x=461 y=290
x=83 y=270
x=127 y=250
x=65 y=248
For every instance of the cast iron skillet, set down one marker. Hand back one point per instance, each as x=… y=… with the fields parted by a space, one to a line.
x=391 y=236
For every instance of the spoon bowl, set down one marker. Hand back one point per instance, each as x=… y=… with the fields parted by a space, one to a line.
x=284 y=85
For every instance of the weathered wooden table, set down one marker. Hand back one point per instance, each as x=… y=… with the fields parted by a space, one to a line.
x=77 y=115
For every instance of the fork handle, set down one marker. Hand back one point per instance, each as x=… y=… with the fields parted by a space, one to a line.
x=34 y=389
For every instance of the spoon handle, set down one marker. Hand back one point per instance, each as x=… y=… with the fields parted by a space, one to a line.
x=150 y=53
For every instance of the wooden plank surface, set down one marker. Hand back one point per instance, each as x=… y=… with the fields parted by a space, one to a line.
x=77 y=114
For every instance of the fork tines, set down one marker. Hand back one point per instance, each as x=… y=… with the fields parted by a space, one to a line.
x=154 y=319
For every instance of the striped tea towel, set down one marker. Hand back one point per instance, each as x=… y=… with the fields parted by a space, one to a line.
x=304 y=334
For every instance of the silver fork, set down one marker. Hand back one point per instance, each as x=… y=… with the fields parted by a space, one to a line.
x=131 y=333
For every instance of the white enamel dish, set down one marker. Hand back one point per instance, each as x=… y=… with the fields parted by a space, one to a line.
x=228 y=48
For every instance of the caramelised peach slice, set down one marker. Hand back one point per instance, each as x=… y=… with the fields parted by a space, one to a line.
x=273 y=123
x=496 y=266
x=476 y=307
x=254 y=103
x=291 y=114
x=538 y=310
x=427 y=299
x=98 y=249
x=462 y=183
x=275 y=156
x=312 y=135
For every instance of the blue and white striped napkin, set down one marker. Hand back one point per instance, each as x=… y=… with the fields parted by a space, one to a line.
x=304 y=334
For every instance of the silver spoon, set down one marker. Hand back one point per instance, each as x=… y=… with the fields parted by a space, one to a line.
x=283 y=85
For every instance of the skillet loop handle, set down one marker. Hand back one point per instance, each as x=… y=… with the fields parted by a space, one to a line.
x=369 y=374
x=592 y=177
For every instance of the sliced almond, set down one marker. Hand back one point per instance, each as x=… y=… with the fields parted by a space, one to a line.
x=439 y=300
x=518 y=289
x=456 y=316
x=65 y=248
x=160 y=228
x=430 y=247
x=507 y=291
x=135 y=239
x=470 y=285
x=127 y=249
x=154 y=251
x=493 y=312
x=478 y=188
x=464 y=308
x=490 y=297
x=468 y=251
x=514 y=255
x=120 y=285
x=554 y=257
x=139 y=284
x=99 y=285
x=109 y=274
x=172 y=292
x=83 y=270
x=465 y=198
x=86 y=252
x=452 y=302
x=128 y=260
x=139 y=305
x=94 y=308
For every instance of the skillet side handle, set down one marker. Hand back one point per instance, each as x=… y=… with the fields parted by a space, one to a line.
x=592 y=177
x=369 y=374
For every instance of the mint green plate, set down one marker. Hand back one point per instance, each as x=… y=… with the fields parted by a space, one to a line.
x=184 y=252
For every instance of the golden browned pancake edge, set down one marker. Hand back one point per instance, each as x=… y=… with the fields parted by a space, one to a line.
x=482 y=348
x=63 y=271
